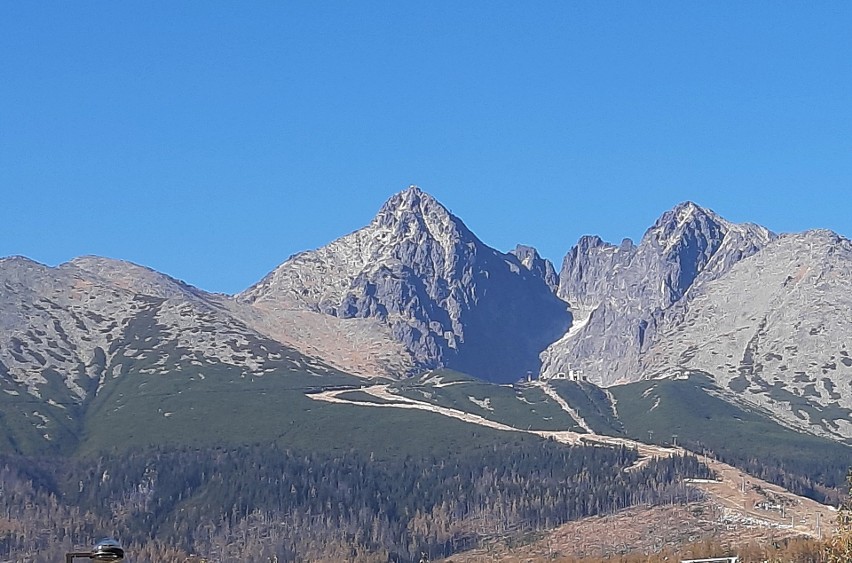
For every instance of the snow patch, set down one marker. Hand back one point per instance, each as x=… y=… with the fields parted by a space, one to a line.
x=448 y=384
x=483 y=404
x=44 y=419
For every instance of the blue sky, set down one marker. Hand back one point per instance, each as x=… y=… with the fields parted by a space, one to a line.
x=212 y=140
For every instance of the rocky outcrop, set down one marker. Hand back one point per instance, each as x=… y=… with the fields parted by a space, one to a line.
x=618 y=293
x=448 y=298
x=541 y=267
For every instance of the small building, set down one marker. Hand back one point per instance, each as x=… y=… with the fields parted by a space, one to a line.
x=572 y=375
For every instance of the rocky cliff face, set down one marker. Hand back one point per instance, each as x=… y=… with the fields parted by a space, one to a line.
x=617 y=293
x=541 y=267
x=413 y=290
x=448 y=298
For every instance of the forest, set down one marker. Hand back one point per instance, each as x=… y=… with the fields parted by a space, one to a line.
x=266 y=503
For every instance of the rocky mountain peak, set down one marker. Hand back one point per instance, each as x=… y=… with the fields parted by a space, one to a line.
x=685 y=220
x=825 y=236
x=620 y=291
x=449 y=298
x=414 y=215
x=773 y=331
x=588 y=242
x=410 y=199
x=18 y=260
x=19 y=273
x=133 y=277
x=692 y=221
x=532 y=261
x=411 y=228
x=20 y=265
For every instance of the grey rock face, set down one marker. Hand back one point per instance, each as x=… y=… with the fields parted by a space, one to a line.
x=65 y=330
x=137 y=279
x=617 y=293
x=451 y=300
x=541 y=267
x=775 y=331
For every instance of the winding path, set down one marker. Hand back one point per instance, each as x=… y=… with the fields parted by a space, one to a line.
x=734 y=490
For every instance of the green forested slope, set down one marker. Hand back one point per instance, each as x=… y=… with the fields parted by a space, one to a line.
x=252 y=503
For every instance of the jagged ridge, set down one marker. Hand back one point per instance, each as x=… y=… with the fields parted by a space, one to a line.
x=451 y=300
x=617 y=292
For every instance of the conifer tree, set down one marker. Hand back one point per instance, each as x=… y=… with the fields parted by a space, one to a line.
x=839 y=547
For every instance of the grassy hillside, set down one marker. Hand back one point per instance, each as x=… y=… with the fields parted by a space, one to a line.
x=217 y=405
x=34 y=426
x=592 y=403
x=226 y=409
x=693 y=410
x=518 y=405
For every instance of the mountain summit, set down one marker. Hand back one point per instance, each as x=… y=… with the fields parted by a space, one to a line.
x=774 y=331
x=618 y=292
x=450 y=299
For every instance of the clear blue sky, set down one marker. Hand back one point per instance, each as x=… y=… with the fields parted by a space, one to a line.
x=211 y=140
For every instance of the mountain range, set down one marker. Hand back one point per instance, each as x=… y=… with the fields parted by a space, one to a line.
x=764 y=317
